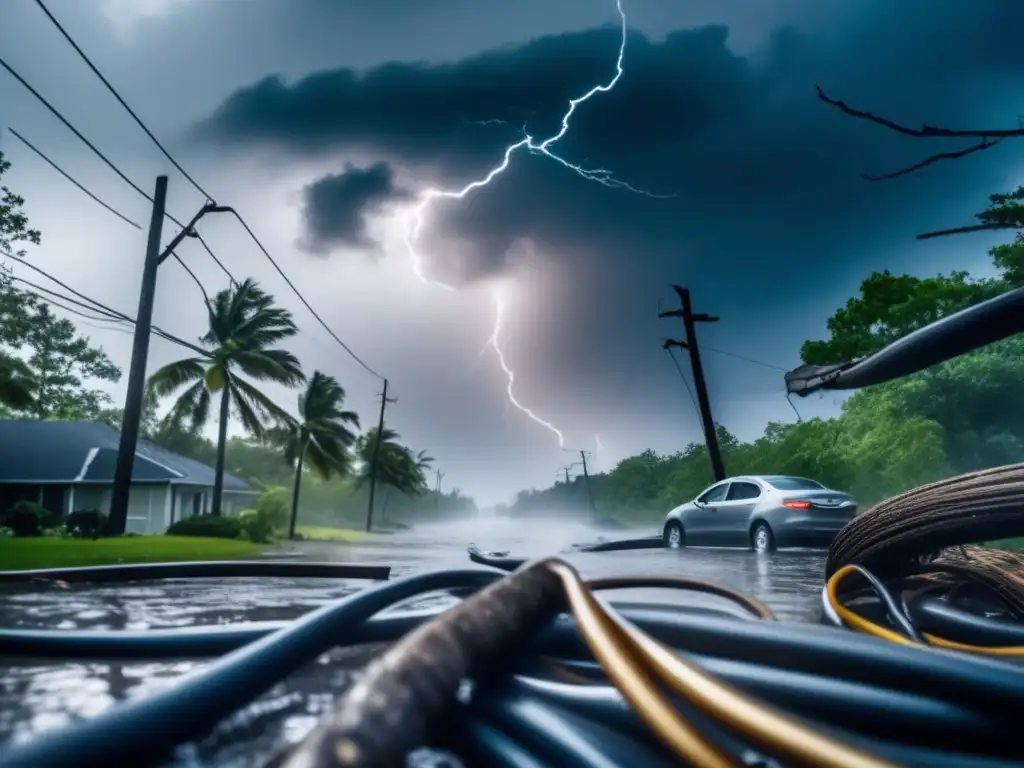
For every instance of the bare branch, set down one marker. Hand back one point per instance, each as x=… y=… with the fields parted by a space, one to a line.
x=988 y=138
x=938 y=157
x=966 y=230
x=925 y=131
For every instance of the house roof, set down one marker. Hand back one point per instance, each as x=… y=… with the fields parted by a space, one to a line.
x=45 y=452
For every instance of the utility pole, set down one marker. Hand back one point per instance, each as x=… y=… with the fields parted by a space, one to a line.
x=566 y=471
x=586 y=482
x=439 y=476
x=704 y=404
x=384 y=400
x=134 y=397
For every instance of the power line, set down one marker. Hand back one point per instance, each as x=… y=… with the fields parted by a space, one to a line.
x=70 y=178
x=747 y=359
x=302 y=298
x=134 y=186
x=121 y=216
x=686 y=383
x=121 y=101
x=97 y=306
x=56 y=113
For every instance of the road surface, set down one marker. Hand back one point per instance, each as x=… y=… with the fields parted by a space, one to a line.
x=35 y=697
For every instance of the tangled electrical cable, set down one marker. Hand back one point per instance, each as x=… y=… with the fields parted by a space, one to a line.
x=599 y=686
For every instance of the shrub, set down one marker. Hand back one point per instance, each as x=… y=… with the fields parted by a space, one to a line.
x=6 y=533
x=86 y=523
x=256 y=527
x=209 y=526
x=273 y=506
x=26 y=518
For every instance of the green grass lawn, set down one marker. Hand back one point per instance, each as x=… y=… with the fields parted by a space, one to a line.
x=29 y=554
x=330 y=533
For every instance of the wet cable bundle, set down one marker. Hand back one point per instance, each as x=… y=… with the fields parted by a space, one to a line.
x=531 y=669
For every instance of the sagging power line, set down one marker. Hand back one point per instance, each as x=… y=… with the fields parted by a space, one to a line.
x=103 y=311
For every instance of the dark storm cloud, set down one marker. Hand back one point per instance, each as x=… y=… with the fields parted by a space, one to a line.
x=335 y=208
x=764 y=176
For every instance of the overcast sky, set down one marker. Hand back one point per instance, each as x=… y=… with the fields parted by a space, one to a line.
x=324 y=121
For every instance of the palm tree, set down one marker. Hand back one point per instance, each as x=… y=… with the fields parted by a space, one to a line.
x=244 y=324
x=321 y=434
x=16 y=383
x=423 y=462
x=396 y=466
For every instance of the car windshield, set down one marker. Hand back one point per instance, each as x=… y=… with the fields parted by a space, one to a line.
x=795 y=484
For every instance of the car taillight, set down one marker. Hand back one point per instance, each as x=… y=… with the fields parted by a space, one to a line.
x=797 y=504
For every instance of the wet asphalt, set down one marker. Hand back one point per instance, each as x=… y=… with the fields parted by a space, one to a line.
x=37 y=697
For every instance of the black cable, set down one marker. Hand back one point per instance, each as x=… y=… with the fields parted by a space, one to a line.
x=892 y=609
x=70 y=178
x=213 y=256
x=122 y=102
x=940 y=617
x=150 y=728
x=55 y=298
x=984 y=323
x=686 y=383
x=99 y=154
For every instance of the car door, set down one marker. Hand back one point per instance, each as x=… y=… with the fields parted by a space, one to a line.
x=701 y=519
x=732 y=519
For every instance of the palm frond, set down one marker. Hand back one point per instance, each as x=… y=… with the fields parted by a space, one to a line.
x=269 y=365
x=173 y=376
x=244 y=409
x=191 y=410
x=267 y=408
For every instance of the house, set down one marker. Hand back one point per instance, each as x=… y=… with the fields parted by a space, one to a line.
x=68 y=466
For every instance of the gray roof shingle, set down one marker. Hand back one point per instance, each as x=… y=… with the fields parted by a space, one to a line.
x=43 y=452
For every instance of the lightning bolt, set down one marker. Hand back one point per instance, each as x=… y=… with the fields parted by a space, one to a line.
x=598 y=175
x=499 y=321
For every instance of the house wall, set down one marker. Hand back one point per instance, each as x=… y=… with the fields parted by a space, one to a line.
x=184 y=501
x=148 y=505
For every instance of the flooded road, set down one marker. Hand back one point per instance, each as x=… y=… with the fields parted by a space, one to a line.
x=36 y=697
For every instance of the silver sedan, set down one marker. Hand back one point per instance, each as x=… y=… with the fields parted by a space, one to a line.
x=761 y=512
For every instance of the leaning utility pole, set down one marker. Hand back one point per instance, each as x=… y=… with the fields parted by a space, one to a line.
x=704 y=404
x=384 y=400
x=566 y=470
x=134 y=397
x=586 y=482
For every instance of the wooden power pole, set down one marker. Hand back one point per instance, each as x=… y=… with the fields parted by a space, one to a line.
x=384 y=400
x=690 y=321
x=586 y=482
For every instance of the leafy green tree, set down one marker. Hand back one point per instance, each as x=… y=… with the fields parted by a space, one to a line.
x=891 y=306
x=244 y=327
x=59 y=362
x=321 y=435
x=14 y=228
x=17 y=384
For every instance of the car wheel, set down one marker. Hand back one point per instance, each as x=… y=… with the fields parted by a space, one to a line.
x=761 y=538
x=674 y=535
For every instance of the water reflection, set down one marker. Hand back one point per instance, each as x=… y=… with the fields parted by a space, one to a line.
x=35 y=697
